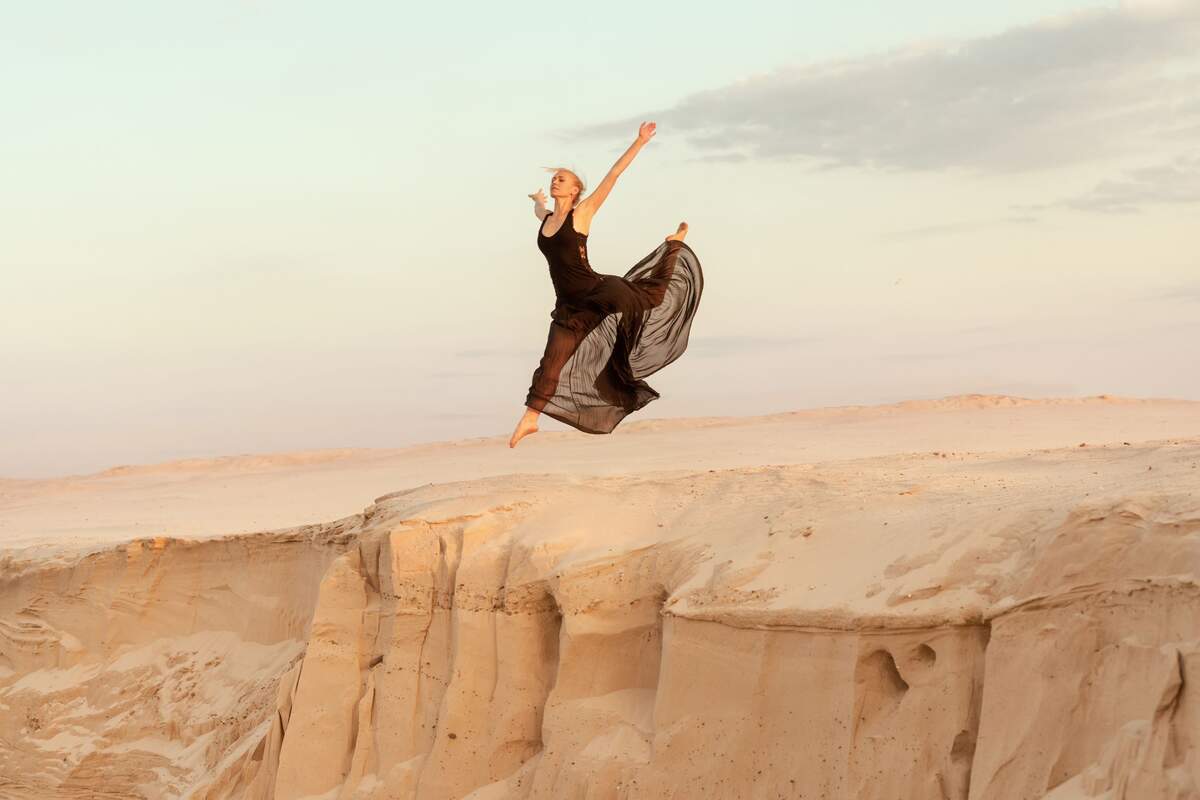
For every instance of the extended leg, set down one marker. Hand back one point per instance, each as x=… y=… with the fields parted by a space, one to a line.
x=657 y=282
x=560 y=345
x=563 y=340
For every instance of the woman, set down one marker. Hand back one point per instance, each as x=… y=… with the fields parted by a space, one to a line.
x=607 y=332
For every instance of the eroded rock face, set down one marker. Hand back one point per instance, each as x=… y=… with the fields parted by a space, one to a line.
x=1100 y=654
x=1104 y=709
x=152 y=669
x=1036 y=652
x=971 y=627
x=500 y=686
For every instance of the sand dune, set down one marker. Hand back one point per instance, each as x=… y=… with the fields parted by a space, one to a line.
x=976 y=597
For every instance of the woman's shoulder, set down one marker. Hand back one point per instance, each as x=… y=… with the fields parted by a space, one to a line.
x=582 y=218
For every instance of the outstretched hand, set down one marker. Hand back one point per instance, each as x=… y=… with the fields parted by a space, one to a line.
x=539 y=197
x=645 y=132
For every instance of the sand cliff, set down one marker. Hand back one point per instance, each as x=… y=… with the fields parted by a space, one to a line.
x=974 y=598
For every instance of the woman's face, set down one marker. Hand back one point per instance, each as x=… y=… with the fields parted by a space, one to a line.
x=562 y=185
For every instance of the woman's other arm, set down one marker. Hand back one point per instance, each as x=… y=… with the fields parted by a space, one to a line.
x=539 y=204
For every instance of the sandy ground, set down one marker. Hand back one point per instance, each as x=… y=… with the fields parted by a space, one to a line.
x=236 y=494
x=978 y=598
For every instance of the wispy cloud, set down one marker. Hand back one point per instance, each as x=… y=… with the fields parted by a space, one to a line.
x=958 y=353
x=451 y=374
x=726 y=158
x=1186 y=292
x=1171 y=182
x=1065 y=90
x=928 y=231
x=495 y=352
x=714 y=346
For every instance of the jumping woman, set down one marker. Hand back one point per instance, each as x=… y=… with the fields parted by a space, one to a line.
x=607 y=333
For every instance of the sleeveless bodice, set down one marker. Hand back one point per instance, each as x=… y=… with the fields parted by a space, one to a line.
x=566 y=253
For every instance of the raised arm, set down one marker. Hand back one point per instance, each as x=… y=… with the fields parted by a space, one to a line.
x=591 y=204
x=539 y=204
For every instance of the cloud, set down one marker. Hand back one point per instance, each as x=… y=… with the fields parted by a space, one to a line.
x=497 y=352
x=1171 y=182
x=1074 y=88
x=723 y=158
x=451 y=374
x=716 y=346
x=969 y=352
x=928 y=231
x=1187 y=293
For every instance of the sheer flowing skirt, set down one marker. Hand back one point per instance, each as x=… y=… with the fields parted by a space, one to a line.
x=603 y=344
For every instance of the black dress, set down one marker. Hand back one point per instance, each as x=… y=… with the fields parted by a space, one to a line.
x=607 y=332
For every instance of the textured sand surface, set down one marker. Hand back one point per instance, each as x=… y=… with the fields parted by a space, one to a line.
x=977 y=597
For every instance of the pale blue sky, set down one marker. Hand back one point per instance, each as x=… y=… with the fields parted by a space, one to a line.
x=261 y=226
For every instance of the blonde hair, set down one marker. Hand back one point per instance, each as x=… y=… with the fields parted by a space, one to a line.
x=573 y=174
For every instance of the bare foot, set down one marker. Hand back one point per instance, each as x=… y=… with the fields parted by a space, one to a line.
x=525 y=426
x=679 y=234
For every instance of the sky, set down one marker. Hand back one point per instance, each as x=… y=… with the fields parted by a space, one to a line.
x=248 y=227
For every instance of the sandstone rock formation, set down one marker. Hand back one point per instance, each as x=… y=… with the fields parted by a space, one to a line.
x=936 y=624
